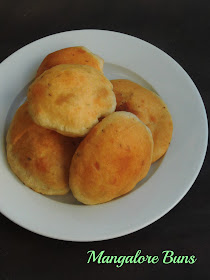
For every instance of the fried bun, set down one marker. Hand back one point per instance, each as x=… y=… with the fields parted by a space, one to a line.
x=112 y=159
x=149 y=108
x=70 y=99
x=72 y=55
x=39 y=157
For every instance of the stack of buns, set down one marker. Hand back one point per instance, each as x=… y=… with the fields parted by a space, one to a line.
x=79 y=131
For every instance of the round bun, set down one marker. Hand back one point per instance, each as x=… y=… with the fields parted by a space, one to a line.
x=149 y=108
x=112 y=159
x=70 y=99
x=73 y=55
x=39 y=157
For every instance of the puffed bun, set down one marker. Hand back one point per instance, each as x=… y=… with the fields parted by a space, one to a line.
x=149 y=108
x=70 y=99
x=112 y=159
x=72 y=55
x=39 y=157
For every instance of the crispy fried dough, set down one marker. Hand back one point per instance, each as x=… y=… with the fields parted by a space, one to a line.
x=149 y=108
x=70 y=99
x=39 y=157
x=112 y=159
x=73 y=55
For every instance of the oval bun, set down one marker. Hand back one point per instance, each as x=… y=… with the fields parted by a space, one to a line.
x=39 y=157
x=72 y=55
x=70 y=99
x=149 y=108
x=112 y=159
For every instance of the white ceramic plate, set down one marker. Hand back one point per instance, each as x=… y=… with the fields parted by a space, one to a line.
x=168 y=180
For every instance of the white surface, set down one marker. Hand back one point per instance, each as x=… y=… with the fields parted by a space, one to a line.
x=168 y=180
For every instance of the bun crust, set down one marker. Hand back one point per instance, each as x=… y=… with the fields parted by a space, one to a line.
x=70 y=99
x=39 y=157
x=112 y=159
x=149 y=108
x=73 y=55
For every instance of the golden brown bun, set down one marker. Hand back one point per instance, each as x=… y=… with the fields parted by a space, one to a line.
x=112 y=159
x=39 y=157
x=70 y=99
x=149 y=108
x=73 y=55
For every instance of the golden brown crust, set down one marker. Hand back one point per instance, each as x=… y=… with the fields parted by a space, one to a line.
x=149 y=108
x=38 y=156
x=70 y=99
x=73 y=55
x=112 y=159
